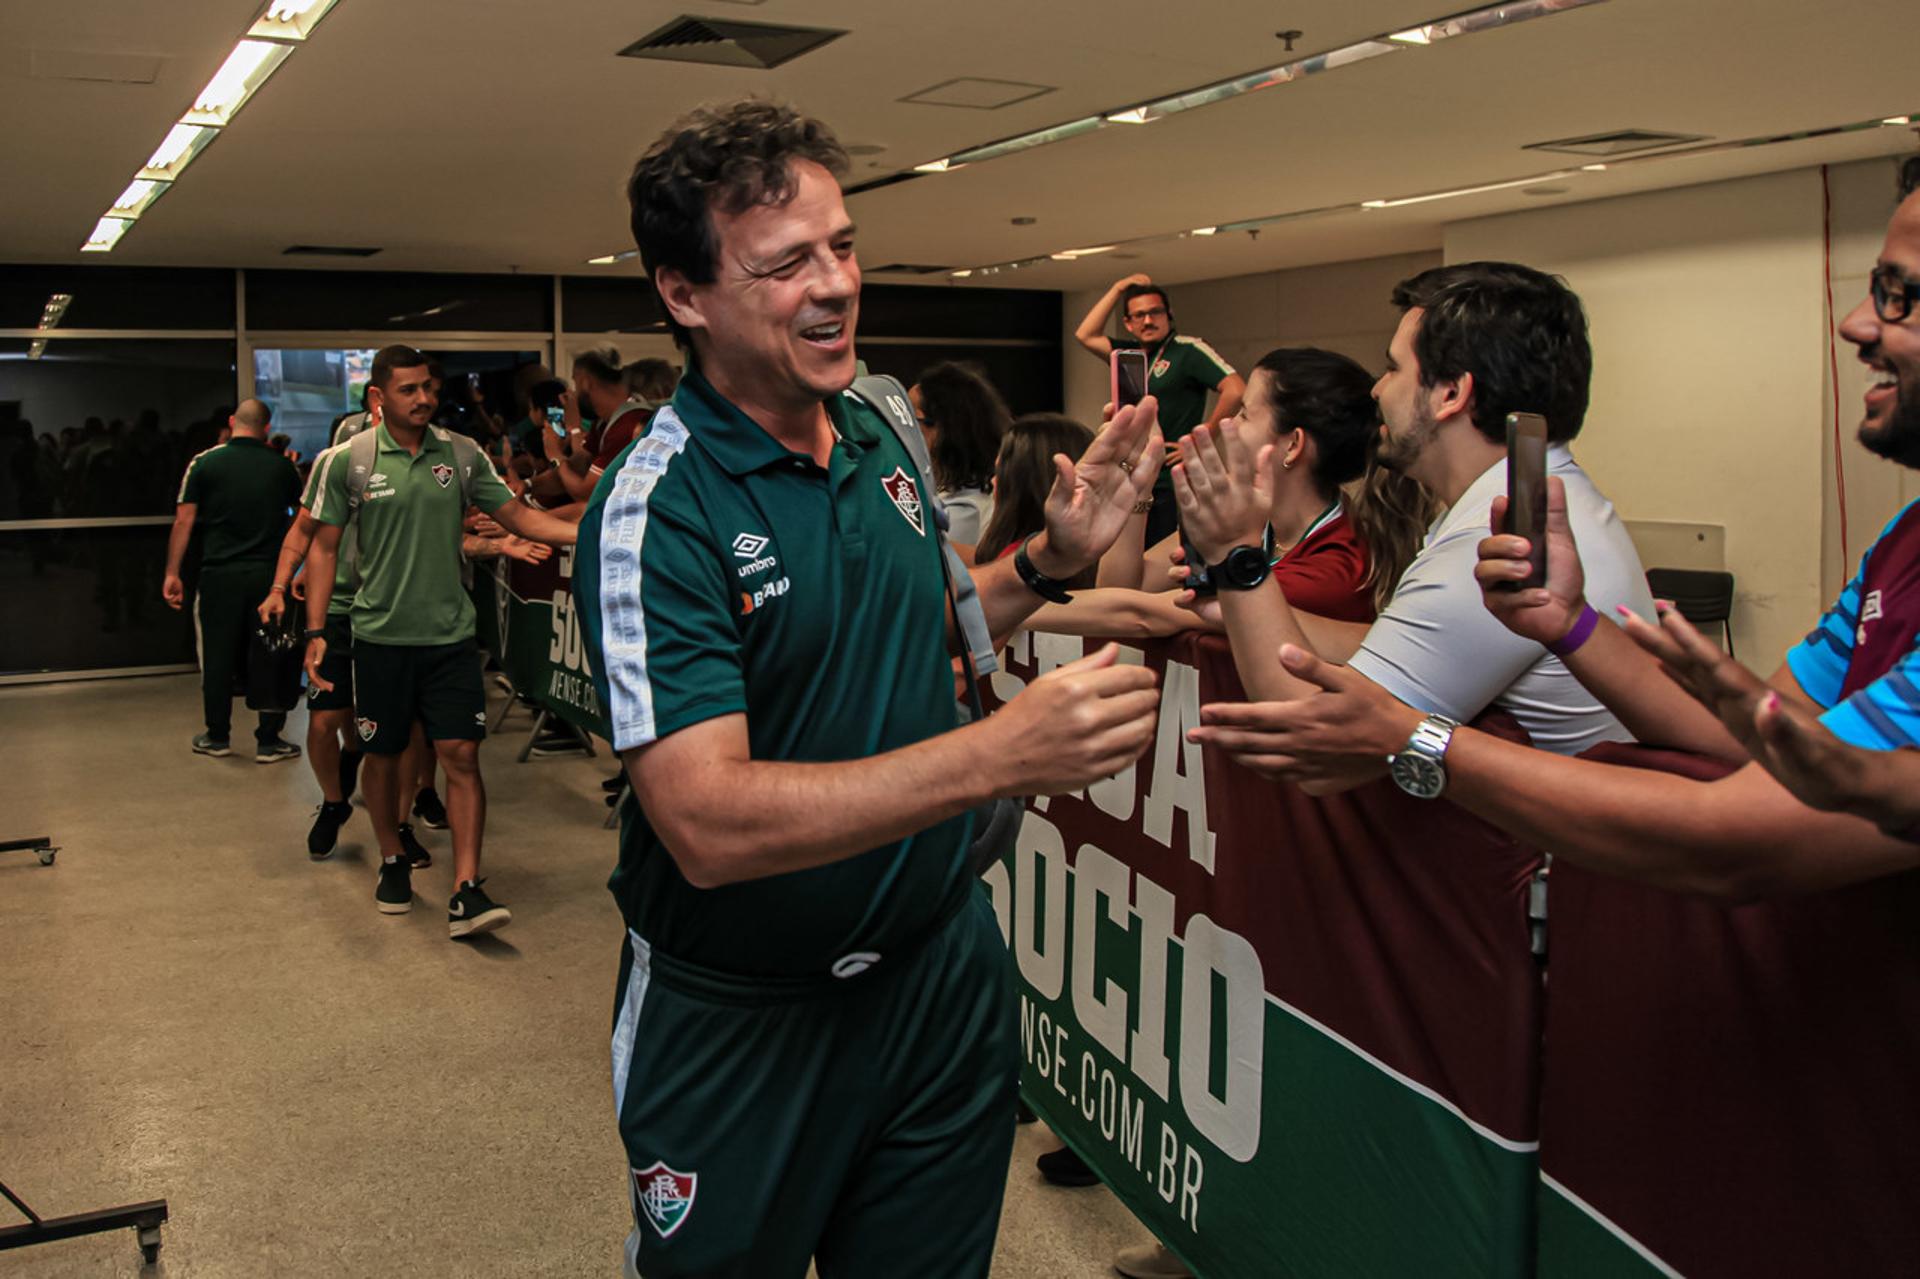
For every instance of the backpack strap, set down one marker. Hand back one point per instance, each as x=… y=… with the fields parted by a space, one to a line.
x=888 y=398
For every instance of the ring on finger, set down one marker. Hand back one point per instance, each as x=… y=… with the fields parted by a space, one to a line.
x=1126 y=466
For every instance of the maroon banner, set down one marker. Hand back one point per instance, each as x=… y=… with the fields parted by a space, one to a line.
x=1731 y=1088
x=1376 y=1113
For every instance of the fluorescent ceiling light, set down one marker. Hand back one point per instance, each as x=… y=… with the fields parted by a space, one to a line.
x=961 y=275
x=1085 y=253
x=1135 y=115
x=1593 y=168
x=106 y=234
x=176 y=151
x=1898 y=119
x=936 y=166
x=244 y=71
x=137 y=198
x=610 y=258
x=1417 y=35
x=290 y=19
x=37 y=348
x=1204 y=230
x=1448 y=195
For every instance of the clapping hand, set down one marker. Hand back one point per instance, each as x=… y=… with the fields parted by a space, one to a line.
x=1225 y=490
x=1092 y=499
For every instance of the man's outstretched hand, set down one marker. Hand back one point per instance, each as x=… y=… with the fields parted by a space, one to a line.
x=1093 y=498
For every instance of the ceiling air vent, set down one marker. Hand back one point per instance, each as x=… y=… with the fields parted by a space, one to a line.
x=906 y=268
x=729 y=42
x=1601 y=146
x=326 y=251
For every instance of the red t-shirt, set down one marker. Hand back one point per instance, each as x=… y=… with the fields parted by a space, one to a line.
x=619 y=433
x=1327 y=573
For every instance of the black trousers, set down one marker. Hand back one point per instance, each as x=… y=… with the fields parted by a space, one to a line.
x=225 y=617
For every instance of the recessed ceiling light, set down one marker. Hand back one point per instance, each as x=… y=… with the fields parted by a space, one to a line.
x=290 y=19
x=137 y=198
x=238 y=78
x=106 y=234
x=176 y=151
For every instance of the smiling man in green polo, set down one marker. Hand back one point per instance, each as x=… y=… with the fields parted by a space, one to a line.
x=406 y=486
x=813 y=1048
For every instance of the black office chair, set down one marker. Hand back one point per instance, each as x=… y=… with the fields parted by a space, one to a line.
x=1703 y=597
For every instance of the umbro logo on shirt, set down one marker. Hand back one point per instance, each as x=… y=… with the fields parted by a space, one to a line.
x=1869 y=612
x=748 y=545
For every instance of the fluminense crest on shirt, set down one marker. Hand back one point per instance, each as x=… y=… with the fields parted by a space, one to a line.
x=367 y=728
x=906 y=497
x=443 y=473
x=665 y=1196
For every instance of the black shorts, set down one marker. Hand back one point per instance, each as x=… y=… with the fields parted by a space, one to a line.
x=336 y=667
x=437 y=684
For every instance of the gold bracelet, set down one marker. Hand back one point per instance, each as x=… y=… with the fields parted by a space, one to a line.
x=1144 y=505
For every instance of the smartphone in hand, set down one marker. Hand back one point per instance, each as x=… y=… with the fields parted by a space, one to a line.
x=1527 y=493
x=1128 y=367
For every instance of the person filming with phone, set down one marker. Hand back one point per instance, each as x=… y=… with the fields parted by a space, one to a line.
x=1181 y=372
x=1477 y=342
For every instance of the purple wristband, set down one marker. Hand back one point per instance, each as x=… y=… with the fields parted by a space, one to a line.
x=1582 y=631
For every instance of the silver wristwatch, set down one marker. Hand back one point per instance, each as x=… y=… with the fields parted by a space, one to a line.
x=1419 y=768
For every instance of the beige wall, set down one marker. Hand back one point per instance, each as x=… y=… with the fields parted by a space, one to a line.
x=1342 y=306
x=1712 y=400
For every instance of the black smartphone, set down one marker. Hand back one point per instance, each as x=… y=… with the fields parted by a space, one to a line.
x=1527 y=493
x=1129 y=377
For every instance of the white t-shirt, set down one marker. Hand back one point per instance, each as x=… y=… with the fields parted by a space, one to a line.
x=1436 y=647
x=968 y=511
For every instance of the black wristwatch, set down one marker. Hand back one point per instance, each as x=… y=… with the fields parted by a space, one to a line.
x=314 y=633
x=1244 y=568
x=1047 y=588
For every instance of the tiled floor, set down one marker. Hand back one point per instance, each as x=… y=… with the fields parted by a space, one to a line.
x=189 y=1008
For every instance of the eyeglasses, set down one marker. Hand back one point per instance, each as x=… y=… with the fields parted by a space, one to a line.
x=1151 y=313
x=1893 y=294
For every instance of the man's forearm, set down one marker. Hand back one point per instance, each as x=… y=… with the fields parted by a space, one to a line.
x=728 y=820
x=321 y=562
x=1092 y=329
x=293 y=551
x=177 y=538
x=539 y=526
x=1658 y=712
x=1124 y=564
x=1739 y=838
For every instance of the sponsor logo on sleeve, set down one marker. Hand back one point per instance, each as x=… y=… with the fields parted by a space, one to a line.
x=906 y=498
x=665 y=1196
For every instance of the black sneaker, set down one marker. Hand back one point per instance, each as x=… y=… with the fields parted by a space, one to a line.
x=414 y=853
x=349 y=773
x=272 y=752
x=1064 y=1168
x=394 y=895
x=327 y=821
x=428 y=808
x=208 y=744
x=471 y=911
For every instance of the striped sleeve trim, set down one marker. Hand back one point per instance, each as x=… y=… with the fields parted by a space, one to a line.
x=1885 y=715
x=1200 y=345
x=324 y=467
x=187 y=474
x=623 y=615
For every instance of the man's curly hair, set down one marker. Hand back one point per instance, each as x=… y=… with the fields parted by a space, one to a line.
x=728 y=156
x=1910 y=176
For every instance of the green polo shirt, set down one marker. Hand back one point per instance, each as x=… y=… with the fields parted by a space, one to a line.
x=1181 y=373
x=407 y=534
x=340 y=603
x=720 y=573
x=244 y=492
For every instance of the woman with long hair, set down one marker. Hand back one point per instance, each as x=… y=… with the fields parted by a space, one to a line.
x=964 y=420
x=1023 y=475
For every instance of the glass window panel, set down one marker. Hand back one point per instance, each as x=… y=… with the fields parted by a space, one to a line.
x=118 y=297
x=610 y=304
x=280 y=301
x=88 y=599
x=922 y=310
x=109 y=424
x=1027 y=377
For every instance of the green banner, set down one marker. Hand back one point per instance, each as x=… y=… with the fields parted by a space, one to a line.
x=537 y=638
